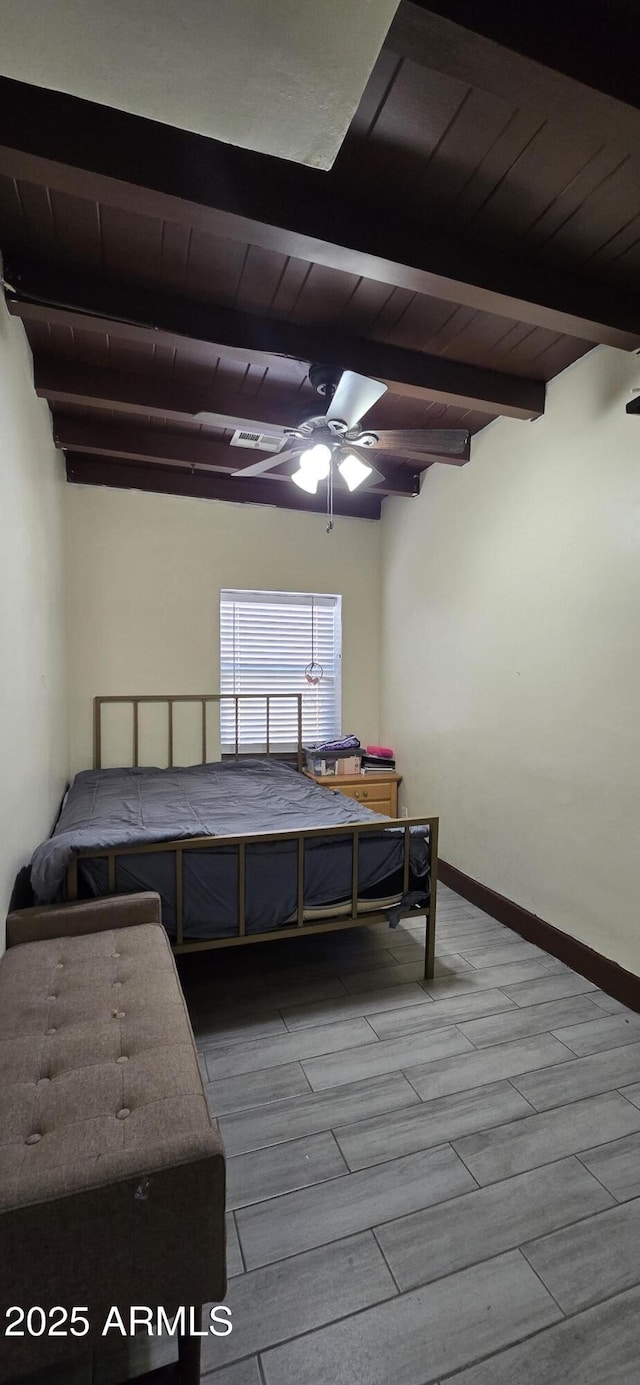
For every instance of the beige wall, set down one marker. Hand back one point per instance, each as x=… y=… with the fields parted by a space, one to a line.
x=511 y=648
x=144 y=574
x=33 y=726
x=281 y=76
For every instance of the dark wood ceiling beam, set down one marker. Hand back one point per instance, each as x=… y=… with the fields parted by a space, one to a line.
x=49 y=293
x=102 y=471
x=109 y=156
x=162 y=448
x=63 y=382
x=466 y=52
x=593 y=44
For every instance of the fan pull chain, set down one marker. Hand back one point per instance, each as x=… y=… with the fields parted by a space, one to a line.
x=330 y=393
x=330 y=501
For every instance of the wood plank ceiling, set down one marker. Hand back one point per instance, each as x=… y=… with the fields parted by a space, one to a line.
x=479 y=231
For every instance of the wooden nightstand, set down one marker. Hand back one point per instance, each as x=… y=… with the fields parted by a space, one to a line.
x=378 y=791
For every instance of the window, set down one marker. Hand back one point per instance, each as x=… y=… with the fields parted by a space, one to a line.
x=265 y=645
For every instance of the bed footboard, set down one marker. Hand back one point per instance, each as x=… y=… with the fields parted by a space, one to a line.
x=357 y=913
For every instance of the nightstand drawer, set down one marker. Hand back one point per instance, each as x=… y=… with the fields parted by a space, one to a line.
x=377 y=791
x=374 y=796
x=380 y=805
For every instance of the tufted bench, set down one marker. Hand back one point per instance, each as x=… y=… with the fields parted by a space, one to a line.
x=111 y=1174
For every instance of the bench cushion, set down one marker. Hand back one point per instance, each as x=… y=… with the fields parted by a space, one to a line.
x=111 y=1174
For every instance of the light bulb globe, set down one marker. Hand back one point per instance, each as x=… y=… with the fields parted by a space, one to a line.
x=306 y=480
x=317 y=460
x=353 y=471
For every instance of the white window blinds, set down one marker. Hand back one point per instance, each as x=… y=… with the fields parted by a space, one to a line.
x=265 y=645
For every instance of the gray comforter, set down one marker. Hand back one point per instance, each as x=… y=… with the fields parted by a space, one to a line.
x=126 y=807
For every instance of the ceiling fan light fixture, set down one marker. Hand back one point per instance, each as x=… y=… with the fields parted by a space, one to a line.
x=316 y=461
x=353 y=471
x=306 y=479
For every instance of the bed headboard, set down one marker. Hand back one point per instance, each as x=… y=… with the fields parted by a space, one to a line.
x=205 y=735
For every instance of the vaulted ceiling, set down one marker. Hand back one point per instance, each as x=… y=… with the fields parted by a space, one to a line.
x=479 y=231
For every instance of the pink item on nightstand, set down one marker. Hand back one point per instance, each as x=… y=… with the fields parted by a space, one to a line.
x=381 y=750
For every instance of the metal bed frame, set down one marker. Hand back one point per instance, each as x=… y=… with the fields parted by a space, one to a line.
x=361 y=913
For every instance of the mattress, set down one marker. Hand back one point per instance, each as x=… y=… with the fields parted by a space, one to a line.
x=137 y=807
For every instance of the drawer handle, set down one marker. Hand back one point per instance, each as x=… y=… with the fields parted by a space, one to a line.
x=362 y=793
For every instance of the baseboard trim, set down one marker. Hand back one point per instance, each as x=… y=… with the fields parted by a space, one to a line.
x=610 y=977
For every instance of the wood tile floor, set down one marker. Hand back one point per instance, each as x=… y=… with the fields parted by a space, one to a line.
x=427 y=1181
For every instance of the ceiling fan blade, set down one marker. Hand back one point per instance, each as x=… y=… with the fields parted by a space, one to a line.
x=448 y=442
x=268 y=463
x=355 y=395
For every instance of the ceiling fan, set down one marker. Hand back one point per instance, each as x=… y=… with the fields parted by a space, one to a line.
x=333 y=446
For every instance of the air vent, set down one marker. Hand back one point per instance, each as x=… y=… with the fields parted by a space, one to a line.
x=259 y=442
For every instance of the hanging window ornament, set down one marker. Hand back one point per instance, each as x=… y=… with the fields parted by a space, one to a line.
x=314 y=671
